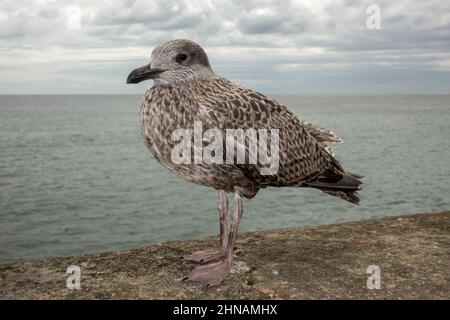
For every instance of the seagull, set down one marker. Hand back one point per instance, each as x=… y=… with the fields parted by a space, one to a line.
x=186 y=91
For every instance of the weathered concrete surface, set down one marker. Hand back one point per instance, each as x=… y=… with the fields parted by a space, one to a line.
x=325 y=262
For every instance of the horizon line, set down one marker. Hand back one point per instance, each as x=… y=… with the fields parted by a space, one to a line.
x=268 y=94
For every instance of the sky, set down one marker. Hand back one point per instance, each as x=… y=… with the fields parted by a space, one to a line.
x=273 y=46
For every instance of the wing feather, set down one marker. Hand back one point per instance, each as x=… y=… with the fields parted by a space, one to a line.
x=302 y=152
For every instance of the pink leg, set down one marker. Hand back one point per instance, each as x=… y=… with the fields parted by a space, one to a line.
x=214 y=273
x=206 y=256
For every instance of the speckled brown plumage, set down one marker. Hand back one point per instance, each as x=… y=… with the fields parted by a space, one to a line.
x=219 y=103
x=186 y=91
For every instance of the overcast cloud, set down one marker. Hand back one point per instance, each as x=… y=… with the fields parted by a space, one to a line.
x=312 y=46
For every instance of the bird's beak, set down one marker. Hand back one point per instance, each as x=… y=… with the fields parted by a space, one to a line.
x=142 y=73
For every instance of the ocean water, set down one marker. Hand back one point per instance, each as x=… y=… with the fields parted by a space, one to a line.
x=76 y=177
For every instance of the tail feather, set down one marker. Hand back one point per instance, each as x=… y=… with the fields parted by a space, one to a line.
x=345 y=187
x=350 y=196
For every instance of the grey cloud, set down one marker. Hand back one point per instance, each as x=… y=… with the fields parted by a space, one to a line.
x=49 y=13
x=241 y=38
x=141 y=12
x=285 y=17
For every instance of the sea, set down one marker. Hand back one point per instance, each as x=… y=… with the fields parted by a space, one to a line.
x=77 y=178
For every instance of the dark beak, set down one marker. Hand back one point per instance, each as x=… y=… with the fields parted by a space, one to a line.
x=142 y=73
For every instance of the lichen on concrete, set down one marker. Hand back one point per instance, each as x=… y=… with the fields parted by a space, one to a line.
x=323 y=262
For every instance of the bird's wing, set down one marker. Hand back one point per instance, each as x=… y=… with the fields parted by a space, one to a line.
x=302 y=153
x=322 y=135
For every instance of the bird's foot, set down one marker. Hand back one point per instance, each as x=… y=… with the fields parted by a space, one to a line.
x=210 y=274
x=204 y=256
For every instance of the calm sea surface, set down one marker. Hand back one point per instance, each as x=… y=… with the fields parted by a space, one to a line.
x=76 y=177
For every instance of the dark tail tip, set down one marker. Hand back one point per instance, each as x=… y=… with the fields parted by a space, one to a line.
x=345 y=187
x=350 y=196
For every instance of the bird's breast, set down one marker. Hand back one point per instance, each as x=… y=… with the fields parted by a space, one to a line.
x=163 y=113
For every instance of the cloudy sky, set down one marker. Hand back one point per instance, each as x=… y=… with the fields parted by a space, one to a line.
x=304 y=46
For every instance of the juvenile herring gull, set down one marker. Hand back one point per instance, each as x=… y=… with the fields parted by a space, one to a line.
x=187 y=92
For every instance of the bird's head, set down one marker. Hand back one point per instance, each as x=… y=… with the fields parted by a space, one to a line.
x=176 y=60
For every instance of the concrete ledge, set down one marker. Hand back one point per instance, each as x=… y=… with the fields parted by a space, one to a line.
x=324 y=262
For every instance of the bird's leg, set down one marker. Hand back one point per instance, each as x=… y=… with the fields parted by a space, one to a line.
x=214 y=273
x=206 y=256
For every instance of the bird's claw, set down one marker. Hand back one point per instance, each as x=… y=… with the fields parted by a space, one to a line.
x=211 y=274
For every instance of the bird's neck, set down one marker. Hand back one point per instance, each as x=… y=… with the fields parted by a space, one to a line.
x=185 y=78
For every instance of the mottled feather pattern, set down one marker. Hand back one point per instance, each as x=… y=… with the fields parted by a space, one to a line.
x=187 y=99
x=219 y=103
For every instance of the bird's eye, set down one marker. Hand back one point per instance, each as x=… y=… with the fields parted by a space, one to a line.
x=182 y=57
